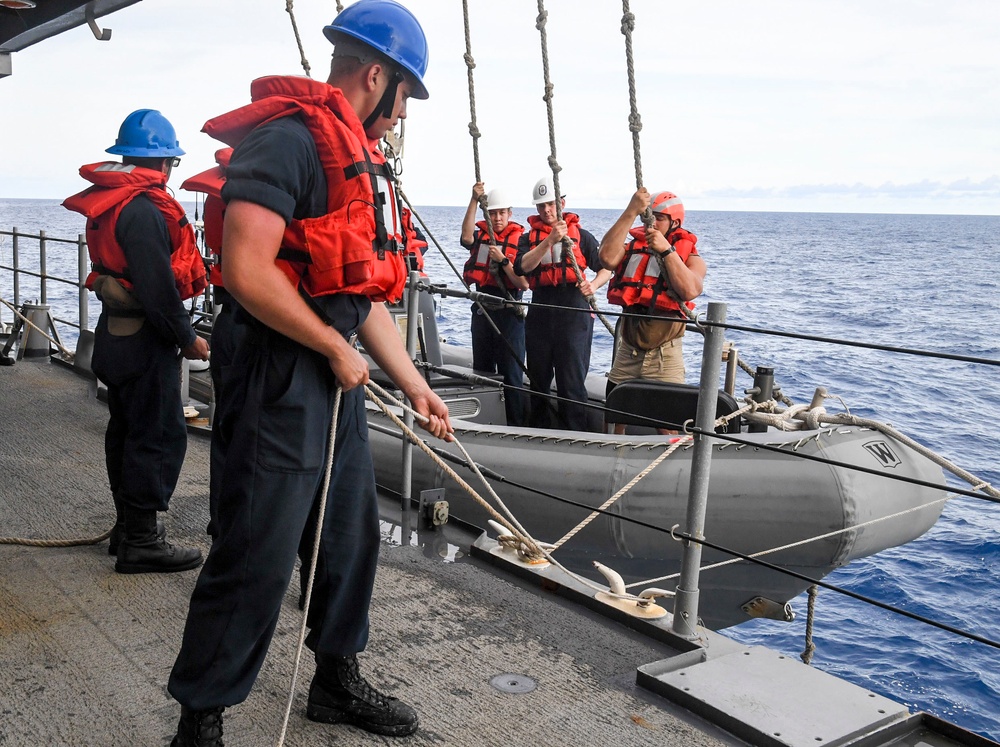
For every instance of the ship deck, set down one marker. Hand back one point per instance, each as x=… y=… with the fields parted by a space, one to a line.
x=86 y=652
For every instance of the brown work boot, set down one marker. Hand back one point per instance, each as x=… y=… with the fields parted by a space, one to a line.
x=199 y=728
x=340 y=694
x=142 y=550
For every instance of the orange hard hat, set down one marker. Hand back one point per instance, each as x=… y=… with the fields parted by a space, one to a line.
x=667 y=203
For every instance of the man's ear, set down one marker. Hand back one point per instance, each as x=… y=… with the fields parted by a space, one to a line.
x=375 y=70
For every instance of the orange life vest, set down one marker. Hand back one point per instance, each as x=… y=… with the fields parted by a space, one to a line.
x=555 y=268
x=413 y=245
x=115 y=185
x=477 y=267
x=638 y=280
x=210 y=182
x=356 y=247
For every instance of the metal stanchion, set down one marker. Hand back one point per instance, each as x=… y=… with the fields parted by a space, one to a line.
x=412 y=320
x=686 y=602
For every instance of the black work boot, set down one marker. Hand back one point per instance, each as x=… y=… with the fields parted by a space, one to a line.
x=199 y=728
x=340 y=694
x=118 y=530
x=142 y=550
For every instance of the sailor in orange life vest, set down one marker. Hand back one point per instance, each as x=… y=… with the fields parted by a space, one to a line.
x=656 y=271
x=312 y=249
x=226 y=333
x=414 y=243
x=145 y=264
x=557 y=340
x=490 y=269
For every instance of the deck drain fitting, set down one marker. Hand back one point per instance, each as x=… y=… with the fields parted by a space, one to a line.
x=518 y=684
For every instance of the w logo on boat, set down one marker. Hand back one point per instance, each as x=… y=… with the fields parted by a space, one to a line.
x=881 y=451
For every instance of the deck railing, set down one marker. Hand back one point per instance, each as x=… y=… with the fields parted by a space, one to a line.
x=19 y=270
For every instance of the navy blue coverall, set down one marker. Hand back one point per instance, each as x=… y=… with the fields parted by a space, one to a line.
x=557 y=342
x=278 y=401
x=146 y=438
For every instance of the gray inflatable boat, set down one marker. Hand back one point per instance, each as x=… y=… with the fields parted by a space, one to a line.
x=764 y=493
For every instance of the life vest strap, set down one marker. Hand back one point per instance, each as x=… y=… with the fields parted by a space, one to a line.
x=294 y=255
x=102 y=270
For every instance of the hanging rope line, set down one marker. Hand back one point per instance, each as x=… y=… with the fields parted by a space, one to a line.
x=470 y=64
x=290 y=9
x=567 y=243
x=327 y=473
x=634 y=119
x=810 y=649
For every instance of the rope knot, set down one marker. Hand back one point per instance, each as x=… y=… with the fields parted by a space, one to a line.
x=540 y=21
x=635 y=122
x=548 y=92
x=554 y=165
x=474 y=130
x=628 y=23
x=469 y=61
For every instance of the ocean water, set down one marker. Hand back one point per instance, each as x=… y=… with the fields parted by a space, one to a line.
x=925 y=282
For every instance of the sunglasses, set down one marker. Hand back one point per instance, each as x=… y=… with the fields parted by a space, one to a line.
x=175 y=162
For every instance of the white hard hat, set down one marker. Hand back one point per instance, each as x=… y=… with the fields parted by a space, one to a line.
x=543 y=191
x=497 y=200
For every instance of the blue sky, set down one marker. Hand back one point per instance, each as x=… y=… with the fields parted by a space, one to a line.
x=773 y=105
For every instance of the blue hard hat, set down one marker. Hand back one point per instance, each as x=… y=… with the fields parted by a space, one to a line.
x=389 y=28
x=146 y=133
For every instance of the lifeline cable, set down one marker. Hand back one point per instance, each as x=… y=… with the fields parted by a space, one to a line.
x=461 y=279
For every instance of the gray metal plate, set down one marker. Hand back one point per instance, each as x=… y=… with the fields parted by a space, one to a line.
x=770 y=699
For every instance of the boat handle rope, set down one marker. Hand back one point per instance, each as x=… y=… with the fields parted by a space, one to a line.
x=674 y=446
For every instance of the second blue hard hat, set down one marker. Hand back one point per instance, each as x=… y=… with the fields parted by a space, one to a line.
x=146 y=133
x=389 y=28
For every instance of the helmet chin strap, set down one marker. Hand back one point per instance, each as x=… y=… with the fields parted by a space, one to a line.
x=388 y=101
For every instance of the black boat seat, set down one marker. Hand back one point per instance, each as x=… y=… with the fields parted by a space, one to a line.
x=647 y=403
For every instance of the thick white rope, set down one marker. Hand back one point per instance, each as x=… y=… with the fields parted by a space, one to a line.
x=525 y=540
x=372 y=389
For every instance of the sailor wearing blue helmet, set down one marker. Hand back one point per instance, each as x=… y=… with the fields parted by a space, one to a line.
x=313 y=248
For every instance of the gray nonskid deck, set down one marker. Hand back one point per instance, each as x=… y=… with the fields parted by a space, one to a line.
x=85 y=652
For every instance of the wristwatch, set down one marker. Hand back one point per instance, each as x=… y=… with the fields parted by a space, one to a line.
x=506 y=261
x=669 y=251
